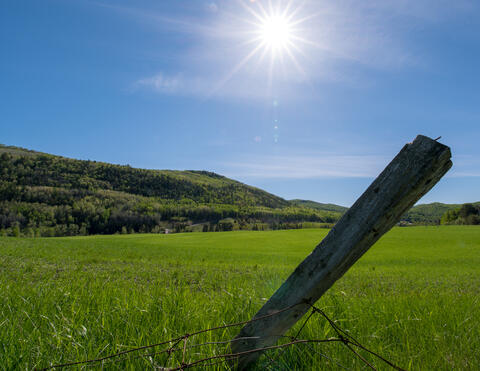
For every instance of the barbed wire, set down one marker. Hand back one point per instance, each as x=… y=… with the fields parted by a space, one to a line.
x=180 y=344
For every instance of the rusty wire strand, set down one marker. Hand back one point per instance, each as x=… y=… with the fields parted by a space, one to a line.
x=343 y=337
x=233 y=356
x=326 y=357
x=169 y=341
x=355 y=342
x=293 y=338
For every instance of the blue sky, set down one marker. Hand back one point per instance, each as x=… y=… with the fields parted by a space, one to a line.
x=187 y=85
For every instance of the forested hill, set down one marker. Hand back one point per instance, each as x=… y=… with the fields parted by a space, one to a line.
x=42 y=194
x=38 y=169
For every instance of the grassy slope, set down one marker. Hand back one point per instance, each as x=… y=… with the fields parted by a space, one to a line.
x=17 y=151
x=414 y=297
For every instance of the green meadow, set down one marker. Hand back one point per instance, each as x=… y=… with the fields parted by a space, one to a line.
x=414 y=297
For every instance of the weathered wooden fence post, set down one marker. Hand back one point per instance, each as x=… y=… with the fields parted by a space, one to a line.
x=410 y=175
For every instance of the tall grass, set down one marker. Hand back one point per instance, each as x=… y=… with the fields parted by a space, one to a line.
x=414 y=297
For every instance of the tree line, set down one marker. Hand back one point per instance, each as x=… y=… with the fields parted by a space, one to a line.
x=466 y=214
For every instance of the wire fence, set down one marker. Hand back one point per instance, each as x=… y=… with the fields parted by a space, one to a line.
x=177 y=352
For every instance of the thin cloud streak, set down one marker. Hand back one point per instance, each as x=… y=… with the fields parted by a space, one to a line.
x=307 y=167
x=202 y=87
x=329 y=166
x=172 y=84
x=156 y=21
x=465 y=166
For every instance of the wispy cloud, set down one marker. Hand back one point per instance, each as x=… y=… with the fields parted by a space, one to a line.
x=161 y=22
x=337 y=35
x=465 y=166
x=328 y=165
x=203 y=87
x=173 y=84
x=306 y=167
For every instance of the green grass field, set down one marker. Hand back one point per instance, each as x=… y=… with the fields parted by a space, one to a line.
x=414 y=297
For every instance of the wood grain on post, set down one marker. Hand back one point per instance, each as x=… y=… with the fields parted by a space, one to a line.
x=410 y=175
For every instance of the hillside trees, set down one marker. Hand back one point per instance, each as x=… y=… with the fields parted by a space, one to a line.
x=45 y=195
x=466 y=214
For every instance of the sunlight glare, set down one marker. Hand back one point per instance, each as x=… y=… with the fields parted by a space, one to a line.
x=276 y=32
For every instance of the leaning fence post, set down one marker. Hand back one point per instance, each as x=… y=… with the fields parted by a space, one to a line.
x=410 y=175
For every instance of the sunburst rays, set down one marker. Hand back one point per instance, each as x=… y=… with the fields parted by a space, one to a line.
x=273 y=29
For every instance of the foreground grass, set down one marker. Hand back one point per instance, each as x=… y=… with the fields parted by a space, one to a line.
x=414 y=297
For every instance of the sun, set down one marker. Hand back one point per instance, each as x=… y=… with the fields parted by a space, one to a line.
x=276 y=32
x=276 y=29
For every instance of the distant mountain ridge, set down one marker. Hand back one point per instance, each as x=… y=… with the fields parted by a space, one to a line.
x=420 y=214
x=320 y=206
